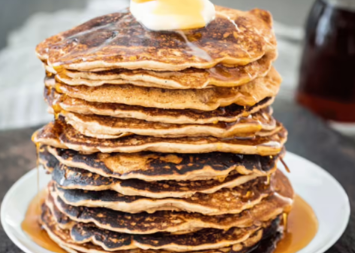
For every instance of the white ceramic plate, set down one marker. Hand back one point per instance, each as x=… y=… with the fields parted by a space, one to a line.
x=310 y=181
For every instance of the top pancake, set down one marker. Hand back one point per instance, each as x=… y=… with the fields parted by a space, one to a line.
x=119 y=41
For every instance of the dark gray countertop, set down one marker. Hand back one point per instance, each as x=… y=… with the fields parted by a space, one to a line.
x=309 y=137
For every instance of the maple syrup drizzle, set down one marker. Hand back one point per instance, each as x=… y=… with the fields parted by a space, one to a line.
x=302 y=227
x=285 y=165
x=268 y=179
x=32 y=227
x=37 y=162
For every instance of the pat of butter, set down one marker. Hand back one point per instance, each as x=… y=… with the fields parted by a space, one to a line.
x=165 y=15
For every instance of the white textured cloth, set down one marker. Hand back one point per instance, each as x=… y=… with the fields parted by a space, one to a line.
x=21 y=73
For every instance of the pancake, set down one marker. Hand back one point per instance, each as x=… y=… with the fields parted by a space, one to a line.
x=118 y=41
x=62 y=220
x=231 y=113
x=73 y=178
x=225 y=201
x=160 y=167
x=205 y=239
x=202 y=99
x=46 y=159
x=62 y=237
x=102 y=127
x=220 y=76
x=173 y=222
x=60 y=135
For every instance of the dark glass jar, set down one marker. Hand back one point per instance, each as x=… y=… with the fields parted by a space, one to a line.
x=327 y=78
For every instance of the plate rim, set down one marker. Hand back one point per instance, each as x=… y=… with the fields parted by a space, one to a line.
x=341 y=189
x=326 y=246
x=5 y=201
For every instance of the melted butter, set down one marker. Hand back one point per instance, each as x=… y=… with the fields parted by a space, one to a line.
x=32 y=227
x=302 y=227
x=187 y=13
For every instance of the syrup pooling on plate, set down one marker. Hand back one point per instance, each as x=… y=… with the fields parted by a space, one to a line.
x=31 y=225
x=302 y=227
x=168 y=15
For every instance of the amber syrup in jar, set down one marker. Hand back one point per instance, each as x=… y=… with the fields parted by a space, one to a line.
x=327 y=80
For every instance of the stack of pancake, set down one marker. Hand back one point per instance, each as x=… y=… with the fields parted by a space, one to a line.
x=164 y=141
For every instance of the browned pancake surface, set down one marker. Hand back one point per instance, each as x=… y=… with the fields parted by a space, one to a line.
x=61 y=135
x=252 y=244
x=166 y=221
x=102 y=127
x=159 y=167
x=73 y=178
x=224 y=201
x=199 y=99
x=205 y=239
x=220 y=75
x=119 y=41
x=231 y=113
